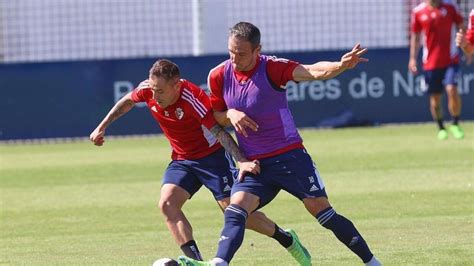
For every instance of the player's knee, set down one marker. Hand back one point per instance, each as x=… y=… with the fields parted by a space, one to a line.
x=245 y=200
x=316 y=205
x=452 y=93
x=167 y=207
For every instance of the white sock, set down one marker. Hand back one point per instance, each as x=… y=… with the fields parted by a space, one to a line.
x=373 y=262
x=219 y=262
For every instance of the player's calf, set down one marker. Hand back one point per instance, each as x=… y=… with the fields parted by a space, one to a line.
x=346 y=232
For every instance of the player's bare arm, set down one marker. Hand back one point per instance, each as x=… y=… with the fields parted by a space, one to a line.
x=327 y=70
x=239 y=120
x=414 y=49
x=221 y=118
x=229 y=144
x=121 y=107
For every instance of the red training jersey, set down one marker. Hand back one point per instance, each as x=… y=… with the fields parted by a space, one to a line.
x=186 y=123
x=437 y=23
x=279 y=71
x=470 y=29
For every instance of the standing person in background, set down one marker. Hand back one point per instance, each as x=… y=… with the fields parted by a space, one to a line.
x=184 y=113
x=466 y=40
x=248 y=93
x=435 y=19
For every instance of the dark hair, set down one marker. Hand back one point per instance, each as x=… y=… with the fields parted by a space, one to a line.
x=165 y=69
x=246 y=31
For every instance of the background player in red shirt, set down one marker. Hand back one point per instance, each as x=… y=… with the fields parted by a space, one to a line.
x=184 y=113
x=466 y=40
x=435 y=19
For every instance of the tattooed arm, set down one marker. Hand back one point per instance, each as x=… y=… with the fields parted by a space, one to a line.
x=121 y=107
x=226 y=140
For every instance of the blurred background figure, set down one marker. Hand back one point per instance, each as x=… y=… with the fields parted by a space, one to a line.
x=435 y=19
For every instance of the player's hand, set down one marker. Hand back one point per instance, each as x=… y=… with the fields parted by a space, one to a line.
x=412 y=66
x=352 y=58
x=460 y=39
x=97 y=136
x=252 y=167
x=240 y=121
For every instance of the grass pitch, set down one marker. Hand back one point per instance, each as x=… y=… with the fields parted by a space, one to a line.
x=409 y=194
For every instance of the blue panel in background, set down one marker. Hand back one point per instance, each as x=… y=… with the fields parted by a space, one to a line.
x=69 y=99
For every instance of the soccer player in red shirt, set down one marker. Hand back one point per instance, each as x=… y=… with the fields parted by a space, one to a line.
x=184 y=113
x=466 y=40
x=435 y=19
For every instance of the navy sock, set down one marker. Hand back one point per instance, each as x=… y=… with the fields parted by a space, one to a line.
x=456 y=120
x=440 y=124
x=346 y=232
x=233 y=233
x=191 y=250
x=282 y=237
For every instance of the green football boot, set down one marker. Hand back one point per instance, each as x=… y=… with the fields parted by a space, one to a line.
x=442 y=134
x=298 y=251
x=457 y=131
x=186 y=261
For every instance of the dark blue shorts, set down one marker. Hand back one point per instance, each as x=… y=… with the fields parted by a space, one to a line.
x=437 y=79
x=215 y=171
x=293 y=171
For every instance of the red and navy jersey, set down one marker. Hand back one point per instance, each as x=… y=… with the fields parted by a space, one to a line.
x=186 y=123
x=470 y=29
x=436 y=24
x=279 y=70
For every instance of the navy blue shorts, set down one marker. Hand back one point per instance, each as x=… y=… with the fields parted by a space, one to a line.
x=437 y=79
x=215 y=171
x=293 y=171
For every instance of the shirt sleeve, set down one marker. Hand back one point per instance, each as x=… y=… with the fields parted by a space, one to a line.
x=215 y=83
x=202 y=107
x=142 y=92
x=280 y=70
x=457 y=17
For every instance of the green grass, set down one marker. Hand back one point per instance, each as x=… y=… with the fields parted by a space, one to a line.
x=408 y=193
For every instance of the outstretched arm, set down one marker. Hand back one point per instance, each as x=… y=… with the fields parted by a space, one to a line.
x=414 y=49
x=120 y=108
x=328 y=70
x=245 y=166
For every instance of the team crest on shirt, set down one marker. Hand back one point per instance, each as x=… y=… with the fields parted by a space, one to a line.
x=167 y=113
x=179 y=113
x=444 y=12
